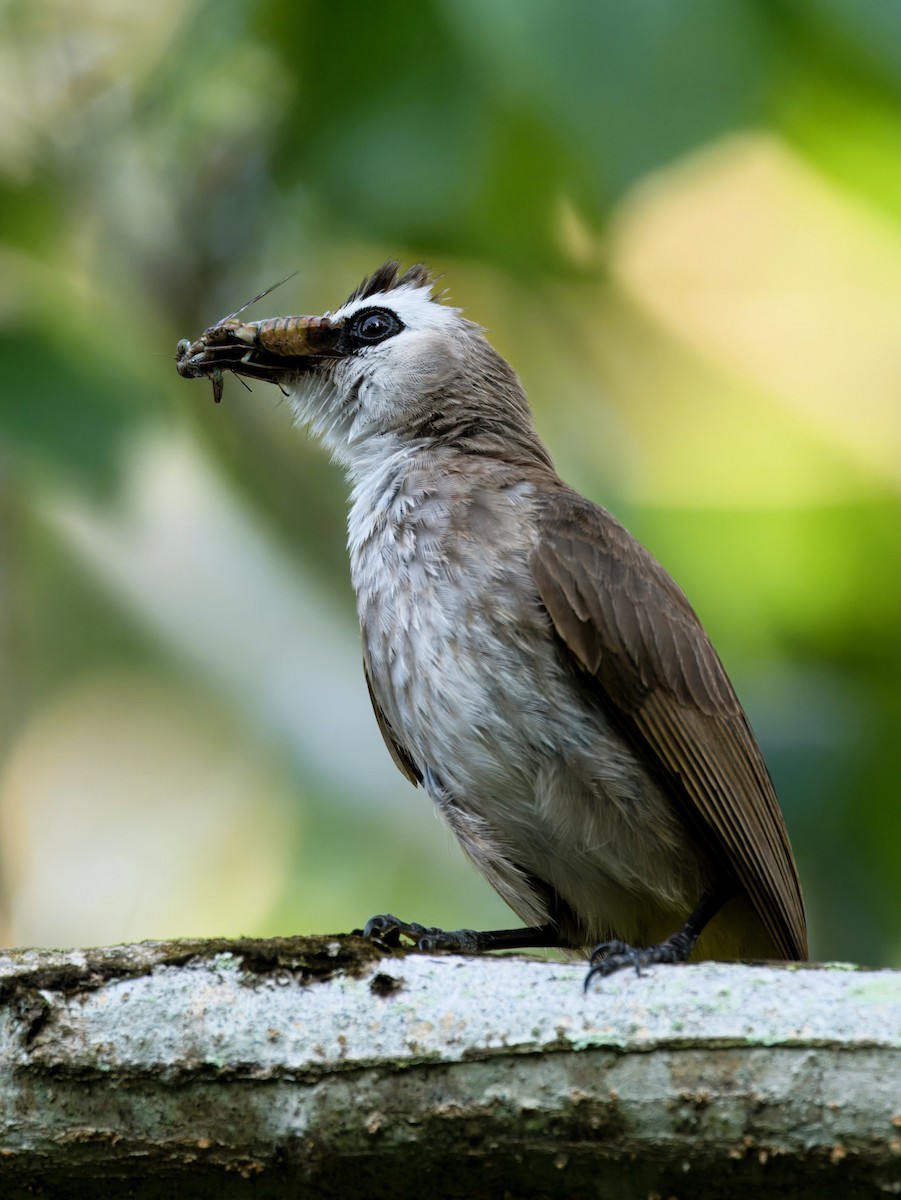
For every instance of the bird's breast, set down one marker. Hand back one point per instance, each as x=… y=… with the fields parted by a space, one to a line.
x=454 y=633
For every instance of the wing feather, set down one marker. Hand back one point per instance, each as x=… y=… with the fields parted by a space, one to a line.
x=396 y=749
x=630 y=627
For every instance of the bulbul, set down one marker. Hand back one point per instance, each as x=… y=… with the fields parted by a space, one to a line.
x=530 y=664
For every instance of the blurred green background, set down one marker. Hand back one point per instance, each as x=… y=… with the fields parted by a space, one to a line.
x=680 y=222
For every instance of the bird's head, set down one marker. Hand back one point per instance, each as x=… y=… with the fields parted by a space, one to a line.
x=392 y=365
x=399 y=356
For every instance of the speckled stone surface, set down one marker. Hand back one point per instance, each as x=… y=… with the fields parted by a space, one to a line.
x=294 y=1060
x=419 y=1009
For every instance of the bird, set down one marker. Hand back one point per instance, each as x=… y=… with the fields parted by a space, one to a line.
x=530 y=664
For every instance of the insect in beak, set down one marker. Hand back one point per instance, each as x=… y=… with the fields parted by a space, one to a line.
x=186 y=349
x=271 y=349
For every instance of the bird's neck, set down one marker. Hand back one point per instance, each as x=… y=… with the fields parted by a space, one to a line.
x=480 y=447
x=470 y=437
x=419 y=492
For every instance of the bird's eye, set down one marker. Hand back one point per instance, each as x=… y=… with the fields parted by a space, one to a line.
x=375 y=324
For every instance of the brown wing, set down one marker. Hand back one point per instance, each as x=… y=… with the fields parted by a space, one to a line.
x=402 y=760
x=629 y=625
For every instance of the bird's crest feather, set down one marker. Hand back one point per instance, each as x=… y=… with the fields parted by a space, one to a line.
x=388 y=277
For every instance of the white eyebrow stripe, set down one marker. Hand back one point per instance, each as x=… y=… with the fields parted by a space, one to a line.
x=414 y=305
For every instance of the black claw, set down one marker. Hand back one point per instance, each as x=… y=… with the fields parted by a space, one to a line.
x=609 y=957
x=388 y=930
x=605 y=950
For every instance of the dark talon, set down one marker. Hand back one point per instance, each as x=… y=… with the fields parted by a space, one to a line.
x=609 y=957
x=388 y=930
x=614 y=955
x=604 y=950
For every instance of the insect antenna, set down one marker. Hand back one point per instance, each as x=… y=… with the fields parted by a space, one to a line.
x=258 y=296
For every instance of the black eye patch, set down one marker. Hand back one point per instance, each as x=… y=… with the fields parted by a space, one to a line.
x=372 y=325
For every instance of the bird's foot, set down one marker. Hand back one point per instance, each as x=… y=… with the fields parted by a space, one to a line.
x=389 y=930
x=609 y=957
